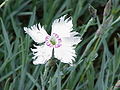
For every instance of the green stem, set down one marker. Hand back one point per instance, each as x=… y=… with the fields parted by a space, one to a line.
x=90 y=62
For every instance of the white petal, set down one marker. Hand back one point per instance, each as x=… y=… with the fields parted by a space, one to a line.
x=72 y=40
x=62 y=27
x=38 y=34
x=41 y=54
x=65 y=53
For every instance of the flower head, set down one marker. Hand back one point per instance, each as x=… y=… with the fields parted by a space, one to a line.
x=61 y=39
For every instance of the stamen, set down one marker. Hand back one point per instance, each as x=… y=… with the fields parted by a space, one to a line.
x=53 y=41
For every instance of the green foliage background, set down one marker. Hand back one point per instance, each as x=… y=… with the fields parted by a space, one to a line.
x=97 y=66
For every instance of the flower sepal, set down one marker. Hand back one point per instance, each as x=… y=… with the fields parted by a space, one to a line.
x=51 y=62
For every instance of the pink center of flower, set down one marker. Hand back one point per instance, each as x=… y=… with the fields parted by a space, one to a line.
x=53 y=41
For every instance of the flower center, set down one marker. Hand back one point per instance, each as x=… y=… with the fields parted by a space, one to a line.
x=53 y=41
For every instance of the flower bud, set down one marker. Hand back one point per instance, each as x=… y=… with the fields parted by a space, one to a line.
x=92 y=11
x=107 y=8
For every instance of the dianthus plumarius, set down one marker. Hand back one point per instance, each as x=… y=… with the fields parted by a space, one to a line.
x=62 y=40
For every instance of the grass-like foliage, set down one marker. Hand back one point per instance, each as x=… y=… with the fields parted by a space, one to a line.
x=97 y=66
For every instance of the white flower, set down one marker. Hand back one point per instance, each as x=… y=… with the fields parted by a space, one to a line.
x=61 y=39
